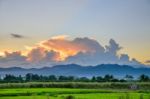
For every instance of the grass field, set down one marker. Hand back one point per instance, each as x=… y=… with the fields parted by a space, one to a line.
x=63 y=93
x=84 y=96
x=73 y=90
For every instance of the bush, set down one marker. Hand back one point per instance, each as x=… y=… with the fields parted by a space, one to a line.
x=70 y=97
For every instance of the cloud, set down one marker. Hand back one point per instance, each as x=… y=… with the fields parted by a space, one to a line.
x=62 y=37
x=61 y=50
x=148 y=61
x=40 y=54
x=36 y=54
x=125 y=59
x=100 y=55
x=1 y=54
x=12 y=59
x=113 y=47
x=17 y=36
x=107 y=55
x=68 y=48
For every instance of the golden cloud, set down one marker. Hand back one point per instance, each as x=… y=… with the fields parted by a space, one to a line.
x=61 y=49
x=63 y=46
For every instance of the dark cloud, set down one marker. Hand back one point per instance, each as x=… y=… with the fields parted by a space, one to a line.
x=17 y=36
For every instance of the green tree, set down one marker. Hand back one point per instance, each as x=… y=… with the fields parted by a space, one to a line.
x=84 y=79
x=108 y=78
x=11 y=78
x=93 y=79
x=99 y=79
x=129 y=78
x=52 y=78
x=144 y=78
x=28 y=77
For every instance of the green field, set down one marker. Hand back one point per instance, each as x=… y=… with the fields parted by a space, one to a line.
x=63 y=93
x=74 y=90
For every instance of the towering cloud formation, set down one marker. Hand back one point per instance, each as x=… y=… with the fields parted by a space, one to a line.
x=101 y=55
x=60 y=50
x=113 y=47
x=68 y=48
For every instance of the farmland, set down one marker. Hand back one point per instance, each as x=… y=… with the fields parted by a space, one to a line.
x=61 y=93
x=74 y=90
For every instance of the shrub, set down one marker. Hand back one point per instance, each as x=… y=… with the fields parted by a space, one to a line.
x=70 y=97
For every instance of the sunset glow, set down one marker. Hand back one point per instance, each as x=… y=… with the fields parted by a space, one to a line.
x=75 y=47
x=74 y=31
x=59 y=44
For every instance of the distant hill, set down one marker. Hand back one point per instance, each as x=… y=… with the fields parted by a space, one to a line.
x=77 y=70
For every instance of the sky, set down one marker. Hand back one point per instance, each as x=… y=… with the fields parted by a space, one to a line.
x=26 y=24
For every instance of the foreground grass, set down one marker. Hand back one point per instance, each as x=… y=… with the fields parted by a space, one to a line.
x=62 y=93
x=52 y=91
x=77 y=90
x=86 y=96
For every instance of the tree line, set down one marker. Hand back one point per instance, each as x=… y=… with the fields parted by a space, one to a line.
x=8 y=78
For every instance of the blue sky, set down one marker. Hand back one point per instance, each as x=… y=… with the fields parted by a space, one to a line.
x=126 y=21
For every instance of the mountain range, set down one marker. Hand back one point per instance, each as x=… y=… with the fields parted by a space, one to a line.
x=118 y=71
